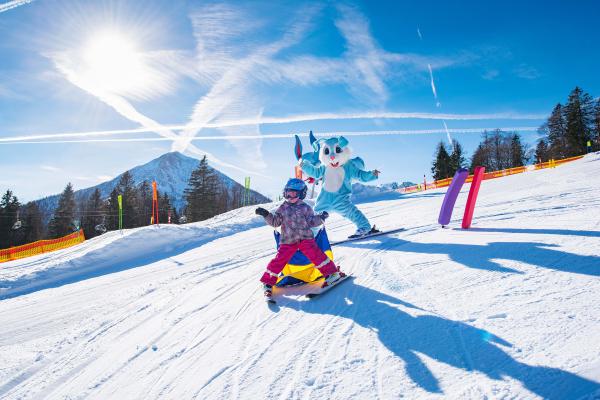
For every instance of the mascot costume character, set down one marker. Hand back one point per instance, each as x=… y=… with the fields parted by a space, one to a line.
x=331 y=161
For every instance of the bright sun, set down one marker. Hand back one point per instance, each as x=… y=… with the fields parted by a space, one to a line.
x=114 y=64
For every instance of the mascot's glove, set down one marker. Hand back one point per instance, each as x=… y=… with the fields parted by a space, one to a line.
x=324 y=215
x=261 y=211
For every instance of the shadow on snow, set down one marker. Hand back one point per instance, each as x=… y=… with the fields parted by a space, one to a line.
x=454 y=343
x=480 y=256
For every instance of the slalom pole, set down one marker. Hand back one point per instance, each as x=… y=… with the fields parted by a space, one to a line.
x=154 y=203
x=120 y=198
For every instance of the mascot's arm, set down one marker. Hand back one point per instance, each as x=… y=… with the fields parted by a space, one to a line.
x=274 y=219
x=361 y=175
x=311 y=170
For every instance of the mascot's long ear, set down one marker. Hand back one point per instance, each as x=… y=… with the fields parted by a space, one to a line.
x=317 y=145
x=312 y=138
x=343 y=142
x=298 y=148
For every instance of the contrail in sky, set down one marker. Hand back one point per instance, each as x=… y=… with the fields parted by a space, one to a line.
x=12 y=4
x=437 y=103
x=22 y=140
x=284 y=120
x=447 y=132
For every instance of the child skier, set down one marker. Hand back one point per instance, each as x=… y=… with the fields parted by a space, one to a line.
x=296 y=219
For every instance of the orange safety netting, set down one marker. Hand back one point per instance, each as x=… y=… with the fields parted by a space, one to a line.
x=489 y=175
x=41 y=246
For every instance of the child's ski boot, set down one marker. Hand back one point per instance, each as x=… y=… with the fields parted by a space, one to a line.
x=268 y=293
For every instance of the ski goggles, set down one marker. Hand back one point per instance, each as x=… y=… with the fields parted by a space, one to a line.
x=290 y=194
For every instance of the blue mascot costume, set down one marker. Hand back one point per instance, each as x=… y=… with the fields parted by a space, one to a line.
x=331 y=161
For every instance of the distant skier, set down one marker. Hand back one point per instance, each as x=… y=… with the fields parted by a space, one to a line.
x=296 y=219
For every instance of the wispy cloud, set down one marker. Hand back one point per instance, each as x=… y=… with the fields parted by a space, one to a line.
x=49 y=168
x=525 y=71
x=230 y=97
x=12 y=4
x=490 y=74
x=368 y=60
x=85 y=178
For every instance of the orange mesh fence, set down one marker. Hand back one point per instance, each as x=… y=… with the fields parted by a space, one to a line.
x=489 y=175
x=41 y=246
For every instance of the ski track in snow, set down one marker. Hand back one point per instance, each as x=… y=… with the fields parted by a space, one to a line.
x=507 y=309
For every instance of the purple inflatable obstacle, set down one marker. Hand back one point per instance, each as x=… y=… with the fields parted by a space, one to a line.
x=451 y=195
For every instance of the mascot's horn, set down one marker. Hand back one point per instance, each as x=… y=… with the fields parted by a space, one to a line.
x=298 y=148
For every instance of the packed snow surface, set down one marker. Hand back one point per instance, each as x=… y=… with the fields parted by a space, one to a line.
x=508 y=309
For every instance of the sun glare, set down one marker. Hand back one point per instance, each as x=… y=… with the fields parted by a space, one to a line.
x=113 y=63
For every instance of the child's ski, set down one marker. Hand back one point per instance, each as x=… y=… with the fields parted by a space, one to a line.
x=322 y=290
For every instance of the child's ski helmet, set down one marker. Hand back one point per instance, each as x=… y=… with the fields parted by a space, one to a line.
x=297 y=185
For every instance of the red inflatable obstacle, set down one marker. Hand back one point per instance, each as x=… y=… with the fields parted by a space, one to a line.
x=475 y=183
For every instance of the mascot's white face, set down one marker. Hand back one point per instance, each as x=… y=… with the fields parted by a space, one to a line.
x=334 y=152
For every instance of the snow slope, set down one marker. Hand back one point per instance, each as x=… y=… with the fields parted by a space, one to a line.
x=508 y=309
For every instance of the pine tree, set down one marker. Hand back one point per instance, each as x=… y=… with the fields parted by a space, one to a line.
x=9 y=206
x=441 y=164
x=578 y=112
x=94 y=214
x=557 y=133
x=457 y=159
x=201 y=193
x=517 y=151
x=126 y=188
x=144 y=205
x=112 y=222
x=33 y=227
x=482 y=157
x=596 y=135
x=63 y=221
x=542 y=152
x=164 y=207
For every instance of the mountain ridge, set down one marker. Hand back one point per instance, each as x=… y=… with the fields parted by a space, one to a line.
x=171 y=171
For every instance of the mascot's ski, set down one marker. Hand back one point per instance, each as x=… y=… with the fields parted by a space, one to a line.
x=367 y=236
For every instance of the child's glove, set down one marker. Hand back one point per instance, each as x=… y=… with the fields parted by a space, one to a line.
x=261 y=211
x=324 y=215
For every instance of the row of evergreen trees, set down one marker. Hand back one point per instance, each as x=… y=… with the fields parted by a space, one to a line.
x=566 y=133
x=498 y=150
x=206 y=196
x=25 y=224
x=570 y=127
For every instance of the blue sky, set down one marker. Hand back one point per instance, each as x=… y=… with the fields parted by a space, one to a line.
x=132 y=80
